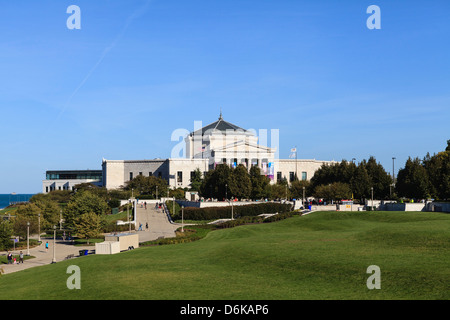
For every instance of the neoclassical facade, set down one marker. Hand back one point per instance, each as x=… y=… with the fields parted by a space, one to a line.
x=220 y=142
x=217 y=143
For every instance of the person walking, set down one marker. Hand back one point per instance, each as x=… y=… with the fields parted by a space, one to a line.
x=140 y=227
x=146 y=226
x=21 y=257
x=46 y=246
x=9 y=257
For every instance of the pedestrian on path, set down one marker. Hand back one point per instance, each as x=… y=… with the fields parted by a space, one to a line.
x=46 y=246
x=140 y=227
x=146 y=226
x=21 y=257
x=9 y=257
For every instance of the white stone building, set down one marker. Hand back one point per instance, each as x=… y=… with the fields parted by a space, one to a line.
x=217 y=143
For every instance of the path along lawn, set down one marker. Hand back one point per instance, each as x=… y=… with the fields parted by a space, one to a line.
x=323 y=255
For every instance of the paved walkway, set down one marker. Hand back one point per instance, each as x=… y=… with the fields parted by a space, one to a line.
x=158 y=224
x=42 y=256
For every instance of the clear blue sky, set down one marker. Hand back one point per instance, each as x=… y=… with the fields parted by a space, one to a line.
x=138 y=70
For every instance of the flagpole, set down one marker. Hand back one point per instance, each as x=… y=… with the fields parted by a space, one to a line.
x=296 y=173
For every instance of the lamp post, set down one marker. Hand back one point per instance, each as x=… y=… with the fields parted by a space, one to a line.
x=39 y=227
x=371 y=189
x=303 y=199
x=226 y=191
x=28 y=238
x=232 y=218
x=54 y=244
x=173 y=206
x=182 y=219
x=393 y=172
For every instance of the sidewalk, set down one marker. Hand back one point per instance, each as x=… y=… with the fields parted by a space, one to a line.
x=43 y=257
x=158 y=224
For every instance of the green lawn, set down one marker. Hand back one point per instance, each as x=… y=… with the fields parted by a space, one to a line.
x=323 y=255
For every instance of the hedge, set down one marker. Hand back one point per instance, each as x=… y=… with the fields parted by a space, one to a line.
x=191 y=213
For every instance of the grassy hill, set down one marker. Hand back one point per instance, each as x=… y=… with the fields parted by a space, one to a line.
x=323 y=255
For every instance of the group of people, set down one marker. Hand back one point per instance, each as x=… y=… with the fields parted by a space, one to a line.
x=140 y=227
x=12 y=260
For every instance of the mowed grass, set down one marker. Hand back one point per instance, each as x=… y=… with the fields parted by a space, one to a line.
x=323 y=255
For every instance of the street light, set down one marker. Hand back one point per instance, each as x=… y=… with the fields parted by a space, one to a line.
x=226 y=191
x=371 y=188
x=182 y=219
x=393 y=172
x=232 y=218
x=54 y=244
x=39 y=227
x=28 y=238
x=303 y=199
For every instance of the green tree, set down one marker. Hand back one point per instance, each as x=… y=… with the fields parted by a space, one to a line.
x=142 y=185
x=50 y=213
x=380 y=180
x=296 y=189
x=259 y=182
x=196 y=180
x=240 y=184
x=333 y=191
x=26 y=213
x=6 y=232
x=438 y=170
x=84 y=202
x=360 y=183
x=88 y=226
x=412 y=180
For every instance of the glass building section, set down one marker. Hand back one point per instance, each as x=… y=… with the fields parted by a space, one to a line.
x=75 y=175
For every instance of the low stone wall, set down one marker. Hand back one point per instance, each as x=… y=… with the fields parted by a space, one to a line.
x=402 y=207
x=438 y=206
x=208 y=204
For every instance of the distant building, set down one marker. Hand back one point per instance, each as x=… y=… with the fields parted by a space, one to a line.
x=67 y=179
x=220 y=142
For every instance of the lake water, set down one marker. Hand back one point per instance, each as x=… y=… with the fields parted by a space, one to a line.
x=7 y=199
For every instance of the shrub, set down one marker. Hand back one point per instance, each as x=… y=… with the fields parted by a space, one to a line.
x=191 y=213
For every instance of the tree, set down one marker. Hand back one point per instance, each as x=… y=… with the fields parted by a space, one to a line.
x=259 y=183
x=6 y=231
x=88 y=225
x=360 y=183
x=279 y=191
x=147 y=186
x=438 y=170
x=84 y=202
x=27 y=213
x=296 y=189
x=380 y=180
x=333 y=191
x=196 y=180
x=412 y=180
x=50 y=213
x=240 y=184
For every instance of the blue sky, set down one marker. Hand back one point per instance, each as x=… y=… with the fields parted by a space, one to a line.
x=137 y=70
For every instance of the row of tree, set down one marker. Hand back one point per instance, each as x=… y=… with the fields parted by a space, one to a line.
x=426 y=178
x=82 y=212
